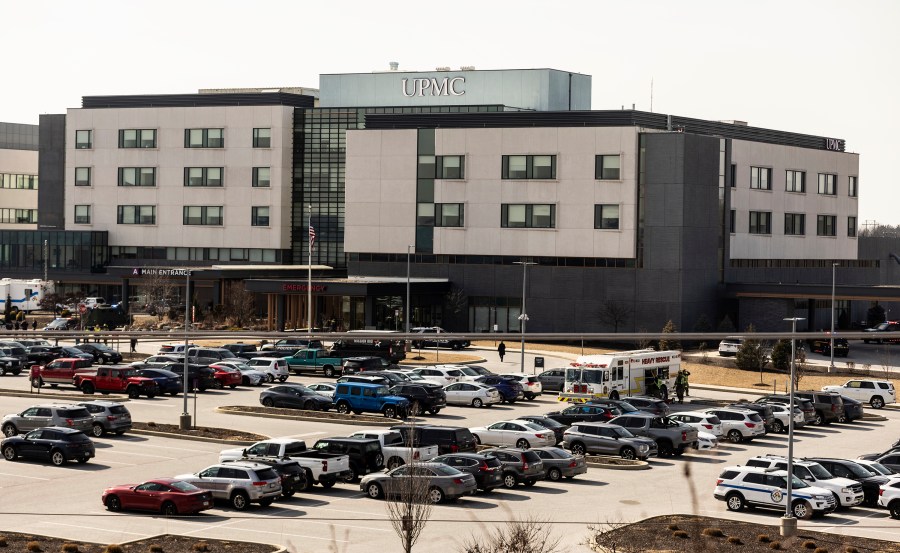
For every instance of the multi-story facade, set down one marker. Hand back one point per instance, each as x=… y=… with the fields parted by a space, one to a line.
x=18 y=176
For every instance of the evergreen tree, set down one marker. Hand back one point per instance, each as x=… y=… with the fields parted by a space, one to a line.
x=667 y=344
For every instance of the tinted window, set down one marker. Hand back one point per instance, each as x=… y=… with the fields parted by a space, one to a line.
x=531 y=456
x=754 y=478
x=463 y=435
x=266 y=474
x=78 y=413
x=728 y=474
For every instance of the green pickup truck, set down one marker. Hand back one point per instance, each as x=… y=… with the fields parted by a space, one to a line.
x=314 y=360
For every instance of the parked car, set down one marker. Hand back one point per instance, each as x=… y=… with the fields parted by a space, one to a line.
x=168 y=382
x=559 y=463
x=109 y=417
x=878 y=469
x=431 y=338
x=290 y=345
x=522 y=434
x=395 y=451
x=296 y=396
x=42 y=354
x=706 y=441
x=356 y=365
x=475 y=394
x=360 y=397
x=61 y=323
x=728 y=347
x=249 y=375
x=159 y=361
x=805 y=405
x=314 y=361
x=672 y=437
x=226 y=376
x=876 y=393
x=608 y=439
x=783 y=415
x=823 y=346
x=116 y=380
x=583 y=412
x=276 y=368
x=510 y=389
x=652 y=405
x=704 y=422
x=441 y=374
x=10 y=363
x=520 y=466
x=242 y=350
x=323 y=388
x=48 y=414
x=558 y=428
x=238 y=483
x=890 y=459
x=176 y=349
x=889 y=498
x=846 y=492
x=828 y=405
x=553 y=379
x=443 y=482
x=422 y=397
x=200 y=377
x=208 y=356
x=75 y=353
x=365 y=454
x=739 y=425
x=101 y=353
x=886 y=326
x=853 y=410
x=531 y=385
x=449 y=439
x=844 y=468
x=765 y=412
x=291 y=473
x=54 y=443
x=749 y=486
x=168 y=496
x=486 y=469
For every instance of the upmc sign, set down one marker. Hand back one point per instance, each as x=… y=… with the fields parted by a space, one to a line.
x=433 y=87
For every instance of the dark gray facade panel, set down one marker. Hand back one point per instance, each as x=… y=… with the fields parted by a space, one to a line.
x=766 y=314
x=52 y=172
x=19 y=136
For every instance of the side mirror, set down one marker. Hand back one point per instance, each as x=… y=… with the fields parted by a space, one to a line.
x=244 y=451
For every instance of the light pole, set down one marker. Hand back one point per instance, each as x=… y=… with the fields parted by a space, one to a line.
x=831 y=348
x=788 y=522
x=185 y=422
x=408 y=254
x=524 y=316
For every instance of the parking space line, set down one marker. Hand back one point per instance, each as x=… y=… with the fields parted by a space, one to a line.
x=23 y=476
x=133 y=402
x=138 y=443
x=96 y=529
x=272 y=533
x=141 y=454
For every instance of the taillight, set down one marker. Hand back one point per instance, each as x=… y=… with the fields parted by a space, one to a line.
x=259 y=483
x=718 y=481
x=111 y=418
x=524 y=463
x=750 y=424
x=457 y=480
x=683 y=436
x=324 y=466
x=707 y=426
x=880 y=491
x=454 y=448
x=483 y=467
x=529 y=383
x=539 y=436
x=573 y=464
x=834 y=407
x=415 y=455
x=70 y=422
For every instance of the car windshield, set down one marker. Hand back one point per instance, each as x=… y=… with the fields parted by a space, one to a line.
x=881 y=469
x=622 y=433
x=184 y=486
x=819 y=472
x=585 y=376
x=469 y=372
x=858 y=471
x=533 y=426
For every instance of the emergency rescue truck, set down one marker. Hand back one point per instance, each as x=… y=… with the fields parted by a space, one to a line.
x=620 y=374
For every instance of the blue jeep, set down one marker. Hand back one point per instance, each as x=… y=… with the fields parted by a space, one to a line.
x=360 y=397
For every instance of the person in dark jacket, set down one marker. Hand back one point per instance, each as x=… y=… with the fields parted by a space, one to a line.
x=501 y=350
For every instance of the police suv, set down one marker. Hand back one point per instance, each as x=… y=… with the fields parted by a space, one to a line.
x=741 y=487
x=846 y=492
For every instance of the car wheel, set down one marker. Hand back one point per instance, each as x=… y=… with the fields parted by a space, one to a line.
x=735 y=437
x=530 y=397
x=270 y=377
x=327 y=483
x=57 y=458
x=288 y=492
x=97 y=430
x=239 y=500
x=477 y=402
x=390 y=412
x=820 y=419
x=9 y=453
x=350 y=476
x=134 y=392
x=100 y=360
x=307 y=482
x=522 y=443
x=9 y=430
x=379 y=460
x=777 y=427
x=435 y=496
x=343 y=408
x=578 y=448
x=266 y=502
x=894 y=508
x=734 y=501
x=282 y=379
x=113 y=503
x=801 y=510
x=88 y=388
x=169 y=509
x=173 y=394
x=217 y=385
x=268 y=402
x=329 y=372
x=530 y=482
x=309 y=405
x=510 y=480
x=434 y=411
x=665 y=448
x=394 y=462
x=842 y=417
x=627 y=453
x=876 y=402
x=374 y=491
x=554 y=474
x=245 y=381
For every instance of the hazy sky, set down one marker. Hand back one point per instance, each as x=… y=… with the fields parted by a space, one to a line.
x=820 y=67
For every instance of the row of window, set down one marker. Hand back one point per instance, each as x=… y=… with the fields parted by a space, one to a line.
x=18 y=216
x=795 y=224
x=196 y=254
x=193 y=138
x=191 y=215
x=606 y=216
x=795 y=181
x=21 y=182
x=193 y=176
x=518 y=167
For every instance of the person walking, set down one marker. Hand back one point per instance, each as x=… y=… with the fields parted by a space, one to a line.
x=33 y=325
x=134 y=345
x=501 y=350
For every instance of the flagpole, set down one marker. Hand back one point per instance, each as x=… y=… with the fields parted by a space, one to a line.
x=309 y=276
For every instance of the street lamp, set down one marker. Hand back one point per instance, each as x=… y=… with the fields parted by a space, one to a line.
x=408 y=250
x=524 y=316
x=788 y=522
x=831 y=349
x=185 y=422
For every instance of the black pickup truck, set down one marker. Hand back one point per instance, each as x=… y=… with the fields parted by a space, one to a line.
x=365 y=454
x=245 y=351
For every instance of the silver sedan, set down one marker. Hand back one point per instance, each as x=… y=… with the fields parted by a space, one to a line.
x=436 y=482
x=475 y=394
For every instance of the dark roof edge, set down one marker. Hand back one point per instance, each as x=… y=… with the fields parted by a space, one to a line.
x=198 y=100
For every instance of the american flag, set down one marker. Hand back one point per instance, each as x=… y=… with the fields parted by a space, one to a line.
x=312 y=237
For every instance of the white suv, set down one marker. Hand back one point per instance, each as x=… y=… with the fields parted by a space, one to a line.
x=240 y=483
x=274 y=367
x=846 y=492
x=729 y=346
x=444 y=374
x=704 y=422
x=876 y=393
x=739 y=425
x=741 y=487
x=889 y=497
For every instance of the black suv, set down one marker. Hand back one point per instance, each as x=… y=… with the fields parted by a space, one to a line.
x=422 y=397
x=487 y=469
x=199 y=376
x=828 y=405
x=519 y=466
x=365 y=454
x=431 y=338
x=842 y=468
x=244 y=351
x=102 y=353
x=292 y=475
x=449 y=439
x=354 y=365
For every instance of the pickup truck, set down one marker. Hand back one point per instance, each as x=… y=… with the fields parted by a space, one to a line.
x=322 y=467
x=314 y=360
x=244 y=351
x=396 y=452
x=672 y=437
x=58 y=371
x=116 y=379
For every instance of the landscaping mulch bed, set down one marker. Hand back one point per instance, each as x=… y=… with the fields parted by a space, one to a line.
x=689 y=534
x=12 y=542
x=324 y=415
x=200 y=431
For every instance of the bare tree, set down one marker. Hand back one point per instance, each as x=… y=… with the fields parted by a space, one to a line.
x=800 y=368
x=520 y=535
x=408 y=502
x=239 y=303
x=614 y=313
x=643 y=343
x=159 y=290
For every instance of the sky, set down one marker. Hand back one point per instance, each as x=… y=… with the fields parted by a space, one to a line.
x=818 y=67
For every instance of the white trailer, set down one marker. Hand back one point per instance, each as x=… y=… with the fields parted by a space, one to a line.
x=26 y=295
x=619 y=374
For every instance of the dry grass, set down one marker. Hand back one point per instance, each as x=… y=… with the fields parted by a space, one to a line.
x=711 y=374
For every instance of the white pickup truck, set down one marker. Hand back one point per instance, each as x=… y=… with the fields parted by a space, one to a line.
x=395 y=452
x=321 y=467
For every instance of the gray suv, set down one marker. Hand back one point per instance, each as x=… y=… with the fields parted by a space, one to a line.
x=50 y=414
x=828 y=405
x=607 y=439
x=553 y=379
x=239 y=483
x=519 y=465
x=109 y=416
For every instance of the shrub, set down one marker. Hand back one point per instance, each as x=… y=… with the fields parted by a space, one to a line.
x=734 y=540
x=762 y=538
x=781 y=355
x=673 y=527
x=70 y=547
x=156 y=548
x=809 y=544
x=680 y=534
x=151 y=424
x=33 y=547
x=201 y=546
x=776 y=545
x=3 y=542
x=713 y=532
x=114 y=548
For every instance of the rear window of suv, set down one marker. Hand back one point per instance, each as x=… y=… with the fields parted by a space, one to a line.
x=755 y=417
x=463 y=435
x=266 y=474
x=118 y=410
x=79 y=413
x=531 y=457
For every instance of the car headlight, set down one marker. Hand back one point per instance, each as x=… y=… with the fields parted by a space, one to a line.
x=643 y=447
x=820 y=497
x=845 y=490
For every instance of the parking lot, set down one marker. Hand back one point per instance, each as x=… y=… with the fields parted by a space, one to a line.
x=65 y=501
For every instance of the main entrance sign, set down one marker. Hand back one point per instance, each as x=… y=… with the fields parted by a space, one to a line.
x=433 y=87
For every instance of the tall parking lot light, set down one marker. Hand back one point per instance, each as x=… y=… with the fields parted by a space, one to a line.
x=523 y=318
x=185 y=421
x=831 y=349
x=788 y=522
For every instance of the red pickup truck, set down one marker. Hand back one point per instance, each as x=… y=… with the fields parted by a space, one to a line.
x=58 y=371
x=116 y=379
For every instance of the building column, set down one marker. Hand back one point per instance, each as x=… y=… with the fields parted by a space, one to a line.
x=126 y=292
x=369 y=313
x=280 y=305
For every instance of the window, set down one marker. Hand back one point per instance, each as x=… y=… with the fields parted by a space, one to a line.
x=137 y=138
x=606 y=216
x=761 y=178
x=137 y=176
x=826 y=225
x=760 y=222
x=262 y=138
x=202 y=215
x=528 y=216
x=82 y=176
x=449 y=215
x=203 y=176
x=20 y=182
x=852 y=187
x=450 y=167
x=794 y=224
x=425 y=215
x=732 y=221
x=851 y=226
x=827 y=184
x=18 y=216
x=84 y=140
x=529 y=167
x=259 y=216
x=261 y=177
x=204 y=138
x=136 y=215
x=795 y=181
x=82 y=214
x=606 y=167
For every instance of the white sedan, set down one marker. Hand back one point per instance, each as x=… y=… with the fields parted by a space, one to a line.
x=324 y=388
x=518 y=433
x=475 y=394
x=249 y=375
x=706 y=441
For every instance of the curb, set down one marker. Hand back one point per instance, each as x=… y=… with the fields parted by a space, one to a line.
x=307 y=418
x=53 y=395
x=616 y=463
x=192 y=438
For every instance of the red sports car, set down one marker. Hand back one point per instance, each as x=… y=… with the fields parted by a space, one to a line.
x=226 y=376
x=164 y=495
